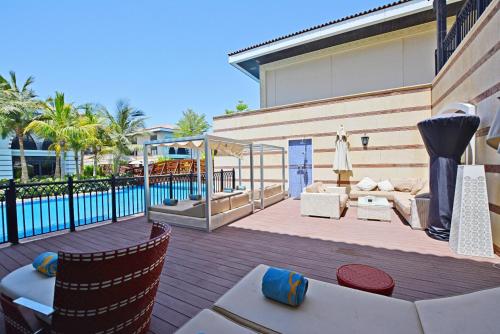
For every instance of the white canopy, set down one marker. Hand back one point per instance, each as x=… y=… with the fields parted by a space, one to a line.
x=220 y=147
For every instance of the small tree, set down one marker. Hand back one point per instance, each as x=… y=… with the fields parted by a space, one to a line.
x=241 y=106
x=191 y=124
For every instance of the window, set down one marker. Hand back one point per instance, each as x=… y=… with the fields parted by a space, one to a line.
x=171 y=150
x=153 y=137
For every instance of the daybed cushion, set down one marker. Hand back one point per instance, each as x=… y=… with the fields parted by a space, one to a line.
x=404 y=185
x=239 y=200
x=220 y=205
x=272 y=190
x=326 y=308
x=209 y=322
x=355 y=194
x=29 y=283
x=471 y=313
x=316 y=187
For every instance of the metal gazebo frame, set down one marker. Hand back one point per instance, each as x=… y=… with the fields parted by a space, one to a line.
x=207 y=140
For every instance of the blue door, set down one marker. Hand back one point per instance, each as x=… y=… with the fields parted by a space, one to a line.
x=299 y=166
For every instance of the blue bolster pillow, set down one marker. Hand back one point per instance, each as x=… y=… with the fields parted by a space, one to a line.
x=194 y=197
x=228 y=190
x=284 y=286
x=46 y=263
x=170 y=201
x=241 y=187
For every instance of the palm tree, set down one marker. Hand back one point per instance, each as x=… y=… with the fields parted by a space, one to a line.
x=125 y=122
x=191 y=124
x=59 y=122
x=99 y=141
x=18 y=107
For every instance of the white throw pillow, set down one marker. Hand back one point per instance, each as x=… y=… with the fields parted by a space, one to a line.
x=385 y=185
x=366 y=184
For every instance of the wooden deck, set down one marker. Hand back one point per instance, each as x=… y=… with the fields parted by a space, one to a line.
x=201 y=266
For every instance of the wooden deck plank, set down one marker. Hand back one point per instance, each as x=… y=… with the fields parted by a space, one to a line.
x=201 y=266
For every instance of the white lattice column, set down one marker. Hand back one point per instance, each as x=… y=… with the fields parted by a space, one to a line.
x=470 y=223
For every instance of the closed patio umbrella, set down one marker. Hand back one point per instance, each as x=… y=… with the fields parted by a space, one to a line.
x=341 y=161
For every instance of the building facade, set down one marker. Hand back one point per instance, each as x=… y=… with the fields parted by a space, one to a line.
x=374 y=73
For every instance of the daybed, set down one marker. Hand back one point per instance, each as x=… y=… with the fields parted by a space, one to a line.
x=331 y=308
x=321 y=201
x=409 y=199
x=272 y=194
x=226 y=208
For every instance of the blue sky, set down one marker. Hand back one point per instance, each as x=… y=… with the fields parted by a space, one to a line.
x=164 y=56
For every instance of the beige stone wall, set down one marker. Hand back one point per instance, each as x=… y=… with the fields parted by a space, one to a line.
x=472 y=75
x=388 y=117
x=396 y=59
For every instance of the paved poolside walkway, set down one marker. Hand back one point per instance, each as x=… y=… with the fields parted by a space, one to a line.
x=201 y=266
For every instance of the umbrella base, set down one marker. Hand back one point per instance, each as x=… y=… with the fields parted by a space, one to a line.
x=438 y=233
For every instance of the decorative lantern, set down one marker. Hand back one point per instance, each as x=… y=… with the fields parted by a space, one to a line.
x=364 y=140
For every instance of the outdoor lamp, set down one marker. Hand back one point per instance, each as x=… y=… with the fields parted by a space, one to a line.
x=364 y=140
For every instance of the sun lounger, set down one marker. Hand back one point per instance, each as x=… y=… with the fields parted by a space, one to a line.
x=331 y=308
x=210 y=322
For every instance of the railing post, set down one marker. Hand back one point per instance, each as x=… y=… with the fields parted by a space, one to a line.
x=221 y=180
x=191 y=183
x=10 y=202
x=170 y=185
x=71 y=205
x=234 y=179
x=113 y=198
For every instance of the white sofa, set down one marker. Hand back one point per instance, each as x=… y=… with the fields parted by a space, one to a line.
x=330 y=308
x=318 y=200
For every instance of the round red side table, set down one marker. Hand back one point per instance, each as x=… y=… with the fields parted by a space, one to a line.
x=366 y=278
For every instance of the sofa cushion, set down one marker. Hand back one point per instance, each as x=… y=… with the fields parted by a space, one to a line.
x=366 y=184
x=471 y=313
x=385 y=185
x=417 y=186
x=404 y=185
x=402 y=201
x=355 y=194
x=343 y=200
x=209 y=322
x=315 y=187
x=326 y=308
x=29 y=283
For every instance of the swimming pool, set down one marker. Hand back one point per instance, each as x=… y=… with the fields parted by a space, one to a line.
x=37 y=216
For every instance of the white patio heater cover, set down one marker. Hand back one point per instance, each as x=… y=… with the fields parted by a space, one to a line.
x=341 y=161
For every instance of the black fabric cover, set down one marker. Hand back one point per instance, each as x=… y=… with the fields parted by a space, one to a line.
x=445 y=137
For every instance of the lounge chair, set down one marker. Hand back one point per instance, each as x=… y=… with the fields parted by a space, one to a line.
x=99 y=292
x=331 y=308
x=272 y=194
x=317 y=200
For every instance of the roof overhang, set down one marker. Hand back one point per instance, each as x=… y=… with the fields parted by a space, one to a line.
x=371 y=23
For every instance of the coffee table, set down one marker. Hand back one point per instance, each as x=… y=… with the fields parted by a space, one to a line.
x=372 y=207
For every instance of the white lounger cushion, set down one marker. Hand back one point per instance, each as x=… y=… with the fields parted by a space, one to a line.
x=209 y=322
x=29 y=283
x=475 y=313
x=327 y=308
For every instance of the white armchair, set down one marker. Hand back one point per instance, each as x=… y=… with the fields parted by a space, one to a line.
x=330 y=203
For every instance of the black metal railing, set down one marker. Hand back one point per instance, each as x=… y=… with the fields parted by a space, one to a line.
x=465 y=20
x=32 y=209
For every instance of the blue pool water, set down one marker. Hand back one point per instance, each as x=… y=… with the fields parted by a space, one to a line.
x=37 y=216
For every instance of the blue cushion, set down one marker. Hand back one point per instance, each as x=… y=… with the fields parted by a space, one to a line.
x=228 y=190
x=170 y=201
x=284 y=286
x=241 y=188
x=46 y=263
x=195 y=197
